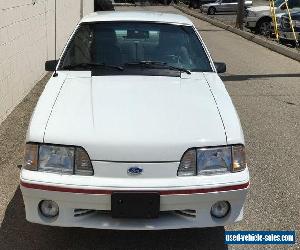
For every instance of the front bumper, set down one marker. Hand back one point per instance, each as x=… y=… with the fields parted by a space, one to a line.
x=250 y=22
x=289 y=36
x=97 y=202
x=204 y=9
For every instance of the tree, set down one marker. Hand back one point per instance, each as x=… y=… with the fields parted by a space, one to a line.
x=240 y=14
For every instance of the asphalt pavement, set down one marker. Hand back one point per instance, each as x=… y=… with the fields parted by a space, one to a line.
x=265 y=88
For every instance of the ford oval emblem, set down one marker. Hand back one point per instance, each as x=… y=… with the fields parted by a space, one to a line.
x=134 y=171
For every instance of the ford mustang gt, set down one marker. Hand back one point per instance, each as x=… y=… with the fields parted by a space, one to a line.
x=135 y=131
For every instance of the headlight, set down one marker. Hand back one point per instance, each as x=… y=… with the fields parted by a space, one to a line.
x=296 y=23
x=211 y=161
x=251 y=13
x=57 y=159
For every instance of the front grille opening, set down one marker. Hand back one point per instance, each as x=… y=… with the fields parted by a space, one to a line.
x=78 y=212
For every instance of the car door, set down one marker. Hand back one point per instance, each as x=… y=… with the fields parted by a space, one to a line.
x=232 y=5
x=222 y=5
x=228 y=5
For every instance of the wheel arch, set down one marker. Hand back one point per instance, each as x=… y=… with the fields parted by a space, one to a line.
x=262 y=18
x=212 y=8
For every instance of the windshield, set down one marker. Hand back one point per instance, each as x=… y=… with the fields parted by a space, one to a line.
x=131 y=44
x=278 y=3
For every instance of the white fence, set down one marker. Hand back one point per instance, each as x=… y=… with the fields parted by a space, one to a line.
x=27 y=41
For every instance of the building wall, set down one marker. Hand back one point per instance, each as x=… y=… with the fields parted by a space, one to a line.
x=27 y=41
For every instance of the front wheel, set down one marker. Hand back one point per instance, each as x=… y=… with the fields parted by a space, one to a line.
x=195 y=4
x=252 y=30
x=263 y=27
x=211 y=11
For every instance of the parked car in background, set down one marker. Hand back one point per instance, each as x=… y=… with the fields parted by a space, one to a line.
x=103 y=5
x=222 y=6
x=286 y=35
x=278 y=20
x=196 y=4
x=258 y=19
x=135 y=130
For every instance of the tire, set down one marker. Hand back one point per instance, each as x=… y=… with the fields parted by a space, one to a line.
x=103 y=5
x=193 y=4
x=211 y=11
x=289 y=43
x=263 y=26
x=282 y=41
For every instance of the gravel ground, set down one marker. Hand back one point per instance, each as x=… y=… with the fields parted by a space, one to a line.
x=267 y=99
x=12 y=136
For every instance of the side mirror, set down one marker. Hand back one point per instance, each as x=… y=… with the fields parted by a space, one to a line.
x=51 y=65
x=283 y=6
x=220 y=67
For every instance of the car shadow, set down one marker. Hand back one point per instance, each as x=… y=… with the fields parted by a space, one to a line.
x=17 y=233
x=250 y=77
x=225 y=13
x=211 y=30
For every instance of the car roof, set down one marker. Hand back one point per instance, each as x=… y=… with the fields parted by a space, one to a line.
x=144 y=16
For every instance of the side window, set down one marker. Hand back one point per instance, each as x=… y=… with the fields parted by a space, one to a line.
x=80 y=47
x=227 y=1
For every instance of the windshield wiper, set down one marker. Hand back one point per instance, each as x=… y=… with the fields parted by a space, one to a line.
x=158 y=64
x=91 y=66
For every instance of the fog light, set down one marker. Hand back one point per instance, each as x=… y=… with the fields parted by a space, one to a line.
x=49 y=208
x=220 y=209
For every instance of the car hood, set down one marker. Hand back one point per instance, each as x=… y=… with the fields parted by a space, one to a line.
x=279 y=15
x=259 y=9
x=295 y=14
x=135 y=118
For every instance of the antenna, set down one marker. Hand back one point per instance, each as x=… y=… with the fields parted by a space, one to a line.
x=55 y=40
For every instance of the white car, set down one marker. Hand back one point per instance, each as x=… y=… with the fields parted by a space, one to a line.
x=135 y=131
x=222 y=6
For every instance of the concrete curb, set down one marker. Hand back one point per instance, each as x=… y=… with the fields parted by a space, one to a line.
x=249 y=36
